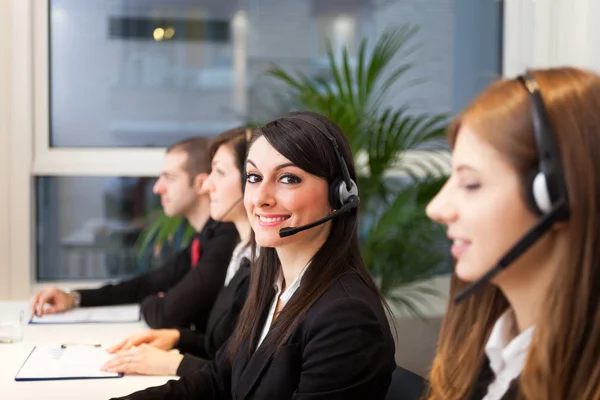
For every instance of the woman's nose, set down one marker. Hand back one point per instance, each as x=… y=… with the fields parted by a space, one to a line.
x=440 y=209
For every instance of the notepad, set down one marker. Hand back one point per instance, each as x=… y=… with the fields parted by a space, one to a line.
x=114 y=314
x=70 y=362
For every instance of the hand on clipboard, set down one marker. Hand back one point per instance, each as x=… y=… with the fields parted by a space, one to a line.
x=67 y=361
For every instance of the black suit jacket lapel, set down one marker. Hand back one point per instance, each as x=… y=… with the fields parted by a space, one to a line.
x=252 y=372
x=251 y=368
x=485 y=378
x=513 y=390
x=231 y=296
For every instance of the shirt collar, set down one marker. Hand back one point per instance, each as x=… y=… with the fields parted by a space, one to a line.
x=505 y=345
x=291 y=289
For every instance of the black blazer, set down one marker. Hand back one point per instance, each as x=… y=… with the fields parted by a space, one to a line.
x=485 y=378
x=342 y=349
x=200 y=347
x=189 y=293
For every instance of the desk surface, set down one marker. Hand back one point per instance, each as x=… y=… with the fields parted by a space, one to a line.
x=12 y=357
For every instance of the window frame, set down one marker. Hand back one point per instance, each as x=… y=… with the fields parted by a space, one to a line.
x=28 y=133
x=65 y=161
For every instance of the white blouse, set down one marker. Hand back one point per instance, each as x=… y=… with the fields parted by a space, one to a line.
x=283 y=297
x=507 y=351
x=241 y=250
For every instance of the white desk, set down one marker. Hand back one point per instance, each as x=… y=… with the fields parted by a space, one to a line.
x=12 y=357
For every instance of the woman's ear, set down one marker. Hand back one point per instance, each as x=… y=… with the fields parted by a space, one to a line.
x=199 y=183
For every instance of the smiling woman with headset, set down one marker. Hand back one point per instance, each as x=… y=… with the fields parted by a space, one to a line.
x=314 y=325
x=522 y=208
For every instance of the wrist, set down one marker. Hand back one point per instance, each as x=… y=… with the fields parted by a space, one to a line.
x=176 y=360
x=74 y=298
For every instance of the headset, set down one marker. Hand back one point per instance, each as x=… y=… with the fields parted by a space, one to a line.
x=343 y=191
x=546 y=189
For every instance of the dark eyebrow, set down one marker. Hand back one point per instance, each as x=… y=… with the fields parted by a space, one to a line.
x=281 y=166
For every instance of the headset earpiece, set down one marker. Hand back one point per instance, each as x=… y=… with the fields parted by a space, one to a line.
x=539 y=194
x=339 y=193
x=530 y=197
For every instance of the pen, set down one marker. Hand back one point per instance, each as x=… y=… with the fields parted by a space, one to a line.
x=64 y=346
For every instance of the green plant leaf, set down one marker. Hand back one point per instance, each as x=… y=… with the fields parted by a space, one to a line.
x=160 y=230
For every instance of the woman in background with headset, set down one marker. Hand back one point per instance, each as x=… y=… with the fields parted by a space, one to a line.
x=146 y=353
x=313 y=326
x=526 y=174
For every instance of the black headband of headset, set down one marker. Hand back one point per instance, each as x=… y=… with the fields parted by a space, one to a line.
x=320 y=127
x=545 y=138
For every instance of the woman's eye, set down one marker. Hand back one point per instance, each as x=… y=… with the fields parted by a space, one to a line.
x=290 y=179
x=472 y=186
x=253 y=178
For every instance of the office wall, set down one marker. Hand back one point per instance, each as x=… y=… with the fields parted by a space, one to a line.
x=546 y=33
x=5 y=111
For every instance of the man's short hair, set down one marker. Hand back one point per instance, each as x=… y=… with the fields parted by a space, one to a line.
x=198 y=159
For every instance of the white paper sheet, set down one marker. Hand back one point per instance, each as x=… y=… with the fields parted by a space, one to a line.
x=114 y=314
x=71 y=362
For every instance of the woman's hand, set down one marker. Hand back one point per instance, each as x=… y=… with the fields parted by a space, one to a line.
x=164 y=339
x=144 y=360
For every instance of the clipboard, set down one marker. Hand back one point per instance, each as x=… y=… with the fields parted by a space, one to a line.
x=92 y=315
x=53 y=363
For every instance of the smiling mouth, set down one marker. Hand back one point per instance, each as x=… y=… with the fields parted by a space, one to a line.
x=459 y=247
x=271 y=221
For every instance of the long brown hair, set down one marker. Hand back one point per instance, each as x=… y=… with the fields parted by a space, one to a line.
x=236 y=140
x=308 y=148
x=563 y=360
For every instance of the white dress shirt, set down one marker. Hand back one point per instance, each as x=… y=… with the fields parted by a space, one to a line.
x=283 y=297
x=241 y=250
x=507 y=350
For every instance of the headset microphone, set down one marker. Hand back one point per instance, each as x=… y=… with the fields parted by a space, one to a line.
x=540 y=228
x=353 y=202
x=235 y=203
x=217 y=221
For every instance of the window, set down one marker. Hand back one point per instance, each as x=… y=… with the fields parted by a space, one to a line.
x=88 y=227
x=118 y=80
x=132 y=73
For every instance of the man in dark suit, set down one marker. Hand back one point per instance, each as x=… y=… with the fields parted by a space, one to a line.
x=181 y=293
